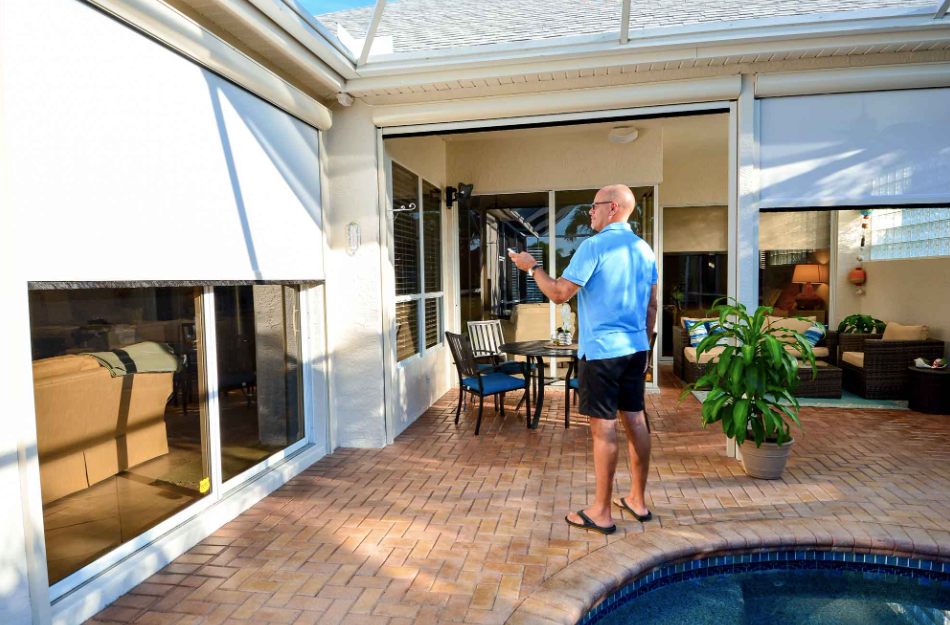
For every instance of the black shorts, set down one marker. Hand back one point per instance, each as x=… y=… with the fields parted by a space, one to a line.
x=606 y=386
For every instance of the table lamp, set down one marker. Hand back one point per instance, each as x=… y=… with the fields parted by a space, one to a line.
x=808 y=299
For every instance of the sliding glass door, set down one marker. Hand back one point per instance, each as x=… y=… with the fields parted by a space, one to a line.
x=127 y=419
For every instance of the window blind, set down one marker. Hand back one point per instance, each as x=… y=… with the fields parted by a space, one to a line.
x=405 y=230
x=433 y=321
x=407 y=329
x=432 y=235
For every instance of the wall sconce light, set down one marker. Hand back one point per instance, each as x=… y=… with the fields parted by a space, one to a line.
x=461 y=194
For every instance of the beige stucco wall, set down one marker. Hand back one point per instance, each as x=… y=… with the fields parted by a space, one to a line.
x=426 y=156
x=569 y=157
x=908 y=291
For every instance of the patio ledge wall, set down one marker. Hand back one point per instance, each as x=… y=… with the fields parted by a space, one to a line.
x=565 y=597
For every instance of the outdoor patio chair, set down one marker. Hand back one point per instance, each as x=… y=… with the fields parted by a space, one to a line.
x=572 y=384
x=875 y=367
x=487 y=337
x=483 y=381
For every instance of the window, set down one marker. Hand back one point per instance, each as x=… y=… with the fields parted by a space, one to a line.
x=119 y=415
x=910 y=233
x=417 y=262
x=260 y=394
x=122 y=410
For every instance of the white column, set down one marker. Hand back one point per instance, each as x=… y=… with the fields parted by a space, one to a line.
x=743 y=262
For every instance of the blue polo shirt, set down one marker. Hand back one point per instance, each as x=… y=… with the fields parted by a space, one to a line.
x=616 y=270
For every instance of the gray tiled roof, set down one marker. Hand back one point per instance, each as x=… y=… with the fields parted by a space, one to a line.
x=417 y=25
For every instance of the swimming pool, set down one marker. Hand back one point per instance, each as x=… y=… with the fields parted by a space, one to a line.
x=787 y=588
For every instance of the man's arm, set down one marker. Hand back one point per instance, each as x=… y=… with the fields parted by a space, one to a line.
x=651 y=312
x=558 y=291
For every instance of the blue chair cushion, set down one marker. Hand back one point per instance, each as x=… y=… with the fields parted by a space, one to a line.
x=573 y=383
x=495 y=383
x=511 y=366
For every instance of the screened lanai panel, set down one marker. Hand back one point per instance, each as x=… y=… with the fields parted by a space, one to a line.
x=409 y=26
x=856 y=149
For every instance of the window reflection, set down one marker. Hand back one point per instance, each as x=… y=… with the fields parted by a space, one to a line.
x=259 y=373
x=119 y=415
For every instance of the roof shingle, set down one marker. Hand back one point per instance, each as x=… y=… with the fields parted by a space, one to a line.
x=420 y=25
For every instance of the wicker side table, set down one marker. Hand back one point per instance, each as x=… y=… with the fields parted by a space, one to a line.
x=929 y=390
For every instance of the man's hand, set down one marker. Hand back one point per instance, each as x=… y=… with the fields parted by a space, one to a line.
x=524 y=260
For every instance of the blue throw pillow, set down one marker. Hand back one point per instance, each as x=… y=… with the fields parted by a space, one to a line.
x=814 y=333
x=697 y=331
x=713 y=327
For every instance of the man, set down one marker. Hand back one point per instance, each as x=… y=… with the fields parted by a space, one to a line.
x=614 y=274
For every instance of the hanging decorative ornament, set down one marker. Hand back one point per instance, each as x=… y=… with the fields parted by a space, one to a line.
x=857 y=276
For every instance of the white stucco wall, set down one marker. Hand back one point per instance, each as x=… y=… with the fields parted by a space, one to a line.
x=354 y=290
x=566 y=157
x=421 y=381
x=124 y=161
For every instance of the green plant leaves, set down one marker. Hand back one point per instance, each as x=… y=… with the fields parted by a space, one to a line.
x=750 y=380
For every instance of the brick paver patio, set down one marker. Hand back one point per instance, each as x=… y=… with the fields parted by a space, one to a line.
x=446 y=527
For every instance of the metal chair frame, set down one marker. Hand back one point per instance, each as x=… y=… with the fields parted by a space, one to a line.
x=467 y=367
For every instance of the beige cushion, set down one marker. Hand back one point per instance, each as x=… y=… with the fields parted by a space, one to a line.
x=820 y=352
x=854 y=358
x=711 y=355
x=790 y=323
x=683 y=320
x=897 y=332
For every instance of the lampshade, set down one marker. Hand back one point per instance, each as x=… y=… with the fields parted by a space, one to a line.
x=806 y=273
x=823 y=273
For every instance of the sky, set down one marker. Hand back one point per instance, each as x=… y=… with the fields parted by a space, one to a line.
x=319 y=7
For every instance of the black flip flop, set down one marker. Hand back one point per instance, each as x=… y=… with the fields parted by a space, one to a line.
x=642 y=518
x=590 y=525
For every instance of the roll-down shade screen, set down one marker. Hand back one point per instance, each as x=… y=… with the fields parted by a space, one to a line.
x=856 y=149
x=131 y=163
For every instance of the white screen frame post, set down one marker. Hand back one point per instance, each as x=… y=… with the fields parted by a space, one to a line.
x=743 y=206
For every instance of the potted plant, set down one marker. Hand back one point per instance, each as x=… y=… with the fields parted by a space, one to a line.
x=752 y=384
x=860 y=324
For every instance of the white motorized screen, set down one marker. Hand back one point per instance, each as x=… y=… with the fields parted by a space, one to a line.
x=855 y=149
x=142 y=165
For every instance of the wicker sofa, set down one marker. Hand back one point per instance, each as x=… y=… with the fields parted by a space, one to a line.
x=876 y=368
x=690 y=368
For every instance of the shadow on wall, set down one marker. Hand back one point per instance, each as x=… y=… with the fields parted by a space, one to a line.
x=14 y=575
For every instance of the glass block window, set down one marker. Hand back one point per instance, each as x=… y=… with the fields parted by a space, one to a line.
x=417 y=262
x=910 y=233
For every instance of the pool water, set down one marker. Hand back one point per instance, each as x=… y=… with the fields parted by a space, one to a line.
x=790 y=597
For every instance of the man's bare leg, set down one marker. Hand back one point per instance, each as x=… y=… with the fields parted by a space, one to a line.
x=604 y=432
x=638 y=441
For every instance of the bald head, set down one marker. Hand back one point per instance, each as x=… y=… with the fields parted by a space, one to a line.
x=613 y=204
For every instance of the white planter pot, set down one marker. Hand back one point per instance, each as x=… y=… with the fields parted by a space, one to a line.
x=766 y=462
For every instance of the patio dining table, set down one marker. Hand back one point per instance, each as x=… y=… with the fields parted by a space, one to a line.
x=537 y=351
